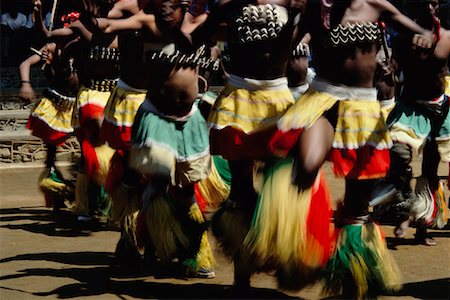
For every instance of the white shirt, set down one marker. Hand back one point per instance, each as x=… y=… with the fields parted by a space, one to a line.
x=14 y=24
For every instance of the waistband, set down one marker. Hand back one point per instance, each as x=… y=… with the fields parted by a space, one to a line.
x=122 y=85
x=343 y=92
x=435 y=105
x=256 y=84
x=300 y=89
x=60 y=100
x=148 y=106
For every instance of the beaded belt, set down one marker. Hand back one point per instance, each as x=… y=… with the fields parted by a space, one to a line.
x=104 y=85
x=61 y=101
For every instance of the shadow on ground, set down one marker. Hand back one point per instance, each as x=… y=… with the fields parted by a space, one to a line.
x=103 y=277
x=45 y=221
x=431 y=289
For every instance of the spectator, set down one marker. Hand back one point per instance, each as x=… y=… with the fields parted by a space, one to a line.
x=15 y=35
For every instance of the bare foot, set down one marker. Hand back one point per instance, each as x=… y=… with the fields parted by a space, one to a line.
x=401 y=229
x=427 y=241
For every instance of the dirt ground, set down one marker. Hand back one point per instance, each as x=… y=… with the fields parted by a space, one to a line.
x=43 y=256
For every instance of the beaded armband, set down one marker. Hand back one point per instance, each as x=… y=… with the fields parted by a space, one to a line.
x=260 y=22
x=302 y=50
x=104 y=85
x=361 y=32
x=104 y=54
x=198 y=58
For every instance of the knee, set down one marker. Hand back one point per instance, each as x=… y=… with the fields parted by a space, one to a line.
x=401 y=152
x=305 y=171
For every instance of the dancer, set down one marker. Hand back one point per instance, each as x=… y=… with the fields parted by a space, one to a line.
x=51 y=116
x=166 y=119
x=97 y=67
x=123 y=183
x=340 y=118
x=420 y=122
x=259 y=37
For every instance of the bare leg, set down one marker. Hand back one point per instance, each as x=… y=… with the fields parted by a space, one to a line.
x=430 y=165
x=313 y=147
x=51 y=156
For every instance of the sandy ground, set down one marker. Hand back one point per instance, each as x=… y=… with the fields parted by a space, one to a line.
x=43 y=256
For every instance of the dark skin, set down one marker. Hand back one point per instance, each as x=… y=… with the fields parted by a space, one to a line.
x=60 y=72
x=259 y=61
x=88 y=69
x=425 y=72
x=350 y=65
x=130 y=42
x=157 y=30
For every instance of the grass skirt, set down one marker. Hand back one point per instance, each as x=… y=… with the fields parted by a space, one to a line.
x=361 y=140
x=361 y=257
x=55 y=189
x=291 y=230
x=175 y=232
x=50 y=123
x=430 y=207
x=120 y=111
x=211 y=192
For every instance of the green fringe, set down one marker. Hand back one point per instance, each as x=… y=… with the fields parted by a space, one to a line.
x=361 y=259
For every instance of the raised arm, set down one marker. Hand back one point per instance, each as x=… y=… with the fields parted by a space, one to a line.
x=205 y=31
x=421 y=37
x=123 y=8
x=40 y=26
x=26 y=91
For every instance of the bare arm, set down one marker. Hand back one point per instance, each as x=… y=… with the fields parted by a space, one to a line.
x=137 y=21
x=26 y=91
x=422 y=38
x=122 y=7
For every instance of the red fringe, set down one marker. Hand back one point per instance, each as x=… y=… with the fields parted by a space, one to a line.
x=202 y=203
x=362 y=163
x=91 y=164
x=319 y=223
x=49 y=135
x=282 y=142
x=91 y=112
x=234 y=144
x=116 y=171
x=118 y=137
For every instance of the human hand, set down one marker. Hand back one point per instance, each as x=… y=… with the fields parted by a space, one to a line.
x=37 y=5
x=26 y=92
x=90 y=8
x=423 y=41
x=46 y=56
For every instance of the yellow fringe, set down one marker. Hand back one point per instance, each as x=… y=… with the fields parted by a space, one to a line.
x=204 y=257
x=279 y=232
x=54 y=190
x=442 y=210
x=81 y=194
x=124 y=201
x=164 y=228
x=359 y=270
x=230 y=226
x=213 y=189
x=104 y=155
x=387 y=265
x=195 y=214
